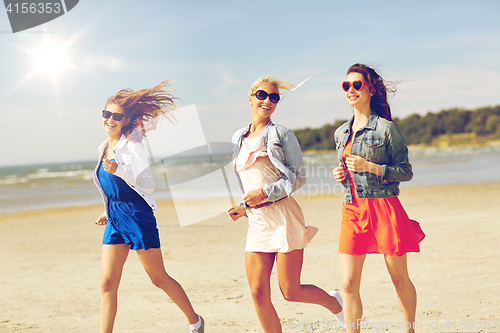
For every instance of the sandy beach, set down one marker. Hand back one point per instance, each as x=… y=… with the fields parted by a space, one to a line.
x=50 y=269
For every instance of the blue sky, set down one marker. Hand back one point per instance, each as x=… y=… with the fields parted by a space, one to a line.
x=445 y=53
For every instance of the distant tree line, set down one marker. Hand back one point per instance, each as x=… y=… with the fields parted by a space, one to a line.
x=483 y=123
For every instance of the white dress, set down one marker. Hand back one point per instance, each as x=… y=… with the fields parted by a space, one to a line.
x=279 y=227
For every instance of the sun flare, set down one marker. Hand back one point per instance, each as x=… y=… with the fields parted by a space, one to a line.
x=50 y=58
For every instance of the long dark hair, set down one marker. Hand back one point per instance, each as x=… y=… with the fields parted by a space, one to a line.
x=378 y=87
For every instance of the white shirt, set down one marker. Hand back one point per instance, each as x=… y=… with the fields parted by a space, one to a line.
x=133 y=168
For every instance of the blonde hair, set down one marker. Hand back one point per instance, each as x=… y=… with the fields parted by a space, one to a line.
x=279 y=84
x=145 y=108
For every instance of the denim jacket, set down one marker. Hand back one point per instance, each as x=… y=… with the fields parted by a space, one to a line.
x=380 y=141
x=284 y=152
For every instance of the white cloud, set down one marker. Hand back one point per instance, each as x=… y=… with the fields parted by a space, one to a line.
x=98 y=62
x=447 y=87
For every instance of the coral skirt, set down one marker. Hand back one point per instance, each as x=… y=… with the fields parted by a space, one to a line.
x=378 y=225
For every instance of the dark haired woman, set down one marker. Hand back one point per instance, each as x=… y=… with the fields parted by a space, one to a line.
x=126 y=184
x=373 y=160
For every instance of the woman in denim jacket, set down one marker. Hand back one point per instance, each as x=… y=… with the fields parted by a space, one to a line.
x=373 y=160
x=269 y=167
x=126 y=184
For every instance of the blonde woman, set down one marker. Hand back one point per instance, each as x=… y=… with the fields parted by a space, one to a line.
x=126 y=184
x=269 y=167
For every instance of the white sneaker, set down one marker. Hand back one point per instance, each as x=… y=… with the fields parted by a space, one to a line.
x=339 y=316
x=200 y=329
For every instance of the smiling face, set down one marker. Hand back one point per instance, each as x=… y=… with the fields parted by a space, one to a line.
x=263 y=108
x=358 y=99
x=111 y=126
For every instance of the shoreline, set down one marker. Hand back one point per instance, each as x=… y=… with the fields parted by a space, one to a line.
x=420 y=147
x=170 y=203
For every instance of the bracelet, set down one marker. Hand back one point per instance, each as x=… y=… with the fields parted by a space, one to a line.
x=261 y=194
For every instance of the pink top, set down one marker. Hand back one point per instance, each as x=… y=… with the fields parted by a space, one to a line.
x=279 y=227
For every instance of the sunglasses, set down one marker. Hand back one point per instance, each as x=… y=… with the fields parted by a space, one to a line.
x=262 y=95
x=357 y=85
x=116 y=116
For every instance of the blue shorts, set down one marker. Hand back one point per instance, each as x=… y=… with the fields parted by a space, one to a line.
x=135 y=228
x=130 y=218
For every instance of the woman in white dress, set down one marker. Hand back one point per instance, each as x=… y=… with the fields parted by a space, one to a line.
x=269 y=167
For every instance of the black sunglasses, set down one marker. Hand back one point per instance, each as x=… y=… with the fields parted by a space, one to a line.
x=116 y=116
x=262 y=95
x=357 y=85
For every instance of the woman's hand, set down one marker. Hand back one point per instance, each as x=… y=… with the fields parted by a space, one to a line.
x=356 y=163
x=254 y=197
x=102 y=220
x=109 y=166
x=339 y=173
x=236 y=212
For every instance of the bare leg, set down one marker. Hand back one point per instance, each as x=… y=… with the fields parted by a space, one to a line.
x=289 y=268
x=352 y=267
x=113 y=259
x=259 y=266
x=152 y=260
x=407 y=295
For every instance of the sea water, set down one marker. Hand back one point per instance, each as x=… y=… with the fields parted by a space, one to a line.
x=68 y=184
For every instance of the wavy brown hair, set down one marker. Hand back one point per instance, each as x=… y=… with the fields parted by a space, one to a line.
x=378 y=87
x=145 y=108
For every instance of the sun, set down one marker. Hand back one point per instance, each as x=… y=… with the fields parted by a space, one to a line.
x=50 y=58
